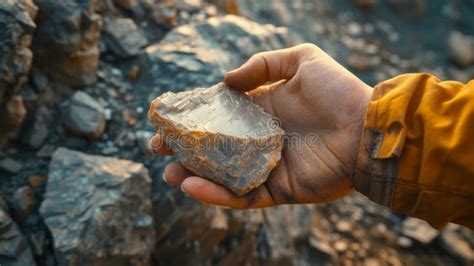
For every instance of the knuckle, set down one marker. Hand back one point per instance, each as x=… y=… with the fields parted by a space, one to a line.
x=257 y=56
x=306 y=52
x=307 y=47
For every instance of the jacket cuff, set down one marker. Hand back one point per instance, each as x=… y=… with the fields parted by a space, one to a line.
x=375 y=175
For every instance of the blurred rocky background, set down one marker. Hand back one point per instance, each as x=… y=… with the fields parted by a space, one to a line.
x=78 y=186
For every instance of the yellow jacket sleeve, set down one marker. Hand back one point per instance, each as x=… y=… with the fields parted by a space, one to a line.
x=417 y=149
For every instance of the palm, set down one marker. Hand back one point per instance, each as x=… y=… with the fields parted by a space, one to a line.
x=321 y=107
x=315 y=165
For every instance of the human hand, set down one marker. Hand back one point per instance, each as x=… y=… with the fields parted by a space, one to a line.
x=319 y=98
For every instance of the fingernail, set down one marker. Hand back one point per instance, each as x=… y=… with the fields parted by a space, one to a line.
x=184 y=191
x=164 y=175
x=150 y=148
x=154 y=144
x=152 y=140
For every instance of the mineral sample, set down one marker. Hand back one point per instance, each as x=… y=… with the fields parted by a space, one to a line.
x=98 y=210
x=219 y=134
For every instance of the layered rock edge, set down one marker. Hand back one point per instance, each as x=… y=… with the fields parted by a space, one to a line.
x=211 y=145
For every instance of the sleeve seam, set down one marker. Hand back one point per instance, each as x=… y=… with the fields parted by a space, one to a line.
x=443 y=189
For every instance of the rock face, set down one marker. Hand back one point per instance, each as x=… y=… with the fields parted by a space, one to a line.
x=210 y=235
x=16 y=29
x=205 y=52
x=14 y=249
x=84 y=116
x=98 y=210
x=204 y=225
x=220 y=134
x=66 y=40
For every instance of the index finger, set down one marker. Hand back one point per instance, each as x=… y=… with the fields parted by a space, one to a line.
x=215 y=194
x=269 y=66
x=157 y=146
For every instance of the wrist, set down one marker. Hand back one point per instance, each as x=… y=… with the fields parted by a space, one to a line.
x=373 y=176
x=365 y=92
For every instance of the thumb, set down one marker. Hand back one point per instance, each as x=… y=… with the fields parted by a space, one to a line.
x=264 y=67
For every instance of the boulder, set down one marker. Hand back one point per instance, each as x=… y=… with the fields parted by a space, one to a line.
x=123 y=37
x=98 y=210
x=65 y=43
x=84 y=116
x=220 y=134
